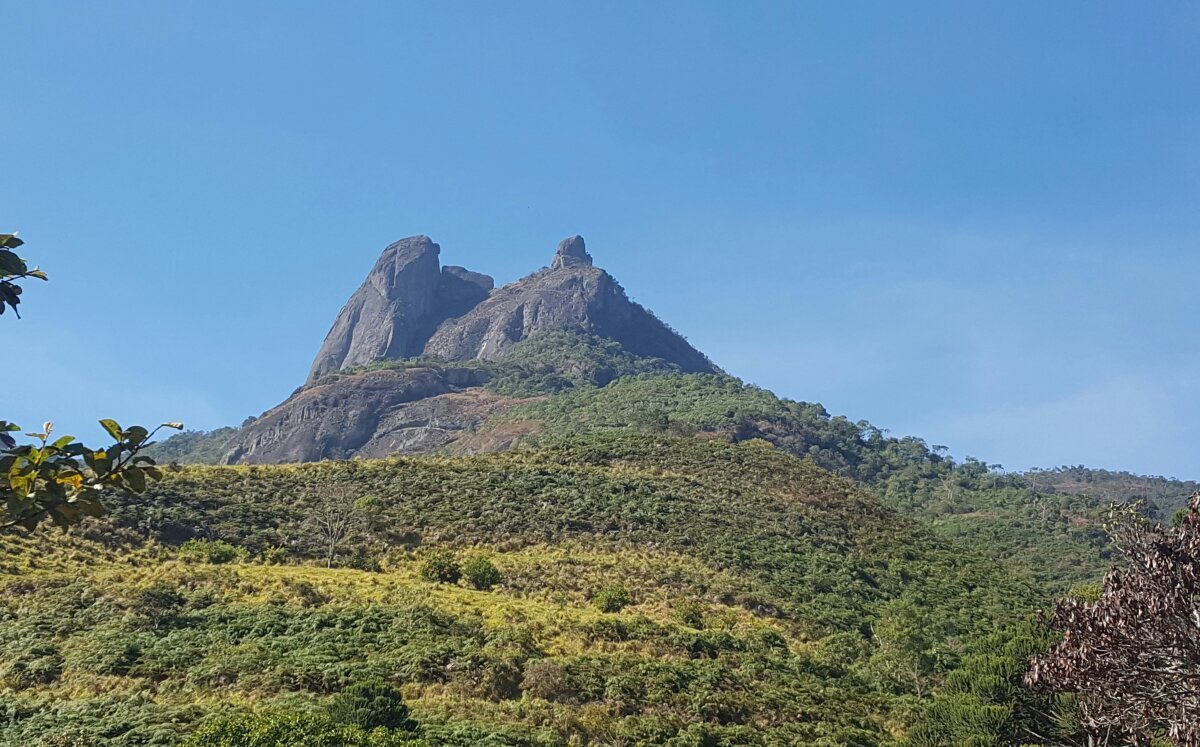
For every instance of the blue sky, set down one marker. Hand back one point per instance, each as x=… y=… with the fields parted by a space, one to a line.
x=976 y=223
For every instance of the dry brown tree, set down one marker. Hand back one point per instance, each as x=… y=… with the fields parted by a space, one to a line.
x=1133 y=653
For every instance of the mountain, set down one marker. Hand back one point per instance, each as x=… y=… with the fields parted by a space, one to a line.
x=410 y=310
x=676 y=557
x=409 y=306
x=431 y=359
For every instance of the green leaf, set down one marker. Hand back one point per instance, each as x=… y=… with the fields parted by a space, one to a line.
x=11 y=264
x=135 y=478
x=136 y=434
x=112 y=427
x=10 y=241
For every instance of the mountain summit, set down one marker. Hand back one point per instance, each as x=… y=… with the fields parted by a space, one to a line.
x=410 y=306
x=405 y=364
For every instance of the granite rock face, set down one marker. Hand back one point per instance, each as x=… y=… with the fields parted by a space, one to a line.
x=408 y=306
x=387 y=314
x=396 y=411
x=571 y=253
x=572 y=294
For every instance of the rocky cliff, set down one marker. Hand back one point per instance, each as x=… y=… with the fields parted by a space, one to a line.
x=410 y=306
x=400 y=303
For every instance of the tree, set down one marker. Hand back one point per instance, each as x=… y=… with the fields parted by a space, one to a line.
x=335 y=514
x=982 y=703
x=612 y=598
x=904 y=658
x=62 y=480
x=1132 y=654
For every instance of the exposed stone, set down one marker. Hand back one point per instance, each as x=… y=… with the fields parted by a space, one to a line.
x=572 y=294
x=387 y=317
x=409 y=306
x=370 y=414
x=460 y=290
x=571 y=253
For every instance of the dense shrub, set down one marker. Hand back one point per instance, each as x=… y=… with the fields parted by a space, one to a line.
x=159 y=604
x=612 y=598
x=481 y=573
x=441 y=567
x=285 y=729
x=370 y=705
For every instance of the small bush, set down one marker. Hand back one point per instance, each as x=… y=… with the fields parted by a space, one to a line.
x=441 y=567
x=369 y=705
x=159 y=603
x=216 y=552
x=274 y=555
x=688 y=612
x=481 y=573
x=612 y=598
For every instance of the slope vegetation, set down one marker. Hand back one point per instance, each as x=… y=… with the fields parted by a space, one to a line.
x=763 y=601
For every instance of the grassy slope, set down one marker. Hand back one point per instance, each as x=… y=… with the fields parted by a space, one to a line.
x=755 y=576
x=1054 y=540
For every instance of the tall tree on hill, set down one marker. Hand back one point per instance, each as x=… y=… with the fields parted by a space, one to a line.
x=61 y=479
x=1133 y=653
x=335 y=514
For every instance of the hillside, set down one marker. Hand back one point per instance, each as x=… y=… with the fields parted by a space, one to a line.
x=761 y=592
x=1163 y=495
x=563 y=385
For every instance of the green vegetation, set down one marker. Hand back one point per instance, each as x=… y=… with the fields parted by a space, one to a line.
x=672 y=574
x=371 y=705
x=1054 y=540
x=758 y=592
x=13 y=268
x=62 y=480
x=481 y=572
x=1163 y=496
x=441 y=567
x=193 y=447
x=612 y=598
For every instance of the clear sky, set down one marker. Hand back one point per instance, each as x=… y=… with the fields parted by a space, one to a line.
x=973 y=222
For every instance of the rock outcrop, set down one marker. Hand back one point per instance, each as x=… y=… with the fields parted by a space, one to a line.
x=571 y=294
x=571 y=253
x=394 y=411
x=409 y=306
x=386 y=316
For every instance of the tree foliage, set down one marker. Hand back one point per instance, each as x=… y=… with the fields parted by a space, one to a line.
x=1133 y=653
x=370 y=705
x=62 y=480
x=13 y=268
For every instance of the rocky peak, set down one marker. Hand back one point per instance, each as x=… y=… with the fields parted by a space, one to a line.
x=404 y=298
x=571 y=253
